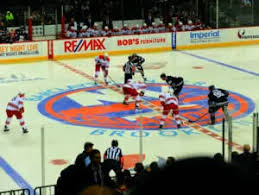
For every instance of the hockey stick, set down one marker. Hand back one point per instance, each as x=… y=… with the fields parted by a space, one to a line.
x=191 y=121
x=117 y=85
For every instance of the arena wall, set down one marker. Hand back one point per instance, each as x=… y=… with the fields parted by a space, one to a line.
x=126 y=44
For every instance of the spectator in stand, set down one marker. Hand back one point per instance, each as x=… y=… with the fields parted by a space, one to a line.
x=83 y=159
x=113 y=159
x=144 y=29
x=108 y=22
x=98 y=190
x=89 y=21
x=124 y=181
x=139 y=169
x=149 y=19
x=246 y=160
x=170 y=28
x=161 y=27
x=180 y=27
x=196 y=170
x=153 y=28
x=72 y=23
x=12 y=36
x=154 y=169
x=136 y=29
x=3 y=33
x=71 y=33
x=94 y=32
x=85 y=8
x=170 y=160
x=218 y=157
x=94 y=172
x=189 y=26
x=9 y=18
x=125 y=30
x=83 y=33
x=106 y=32
x=116 y=31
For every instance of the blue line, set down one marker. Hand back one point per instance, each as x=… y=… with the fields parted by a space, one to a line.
x=78 y=45
x=220 y=63
x=15 y=176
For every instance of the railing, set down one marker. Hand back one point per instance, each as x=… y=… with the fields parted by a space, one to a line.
x=16 y=192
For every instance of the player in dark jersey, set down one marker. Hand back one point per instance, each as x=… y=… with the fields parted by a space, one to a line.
x=128 y=69
x=176 y=83
x=218 y=98
x=138 y=61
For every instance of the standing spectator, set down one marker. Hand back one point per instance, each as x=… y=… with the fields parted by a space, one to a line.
x=83 y=159
x=113 y=159
x=108 y=22
x=139 y=169
x=89 y=21
x=9 y=18
x=149 y=19
x=94 y=172
x=246 y=160
x=73 y=24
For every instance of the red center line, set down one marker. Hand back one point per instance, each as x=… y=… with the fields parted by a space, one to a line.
x=149 y=105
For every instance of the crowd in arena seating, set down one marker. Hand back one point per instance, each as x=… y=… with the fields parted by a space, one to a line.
x=89 y=173
x=172 y=18
x=93 y=30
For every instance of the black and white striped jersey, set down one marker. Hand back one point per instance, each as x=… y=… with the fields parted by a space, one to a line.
x=113 y=153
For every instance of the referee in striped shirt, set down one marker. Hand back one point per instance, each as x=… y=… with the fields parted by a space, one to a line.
x=129 y=69
x=113 y=159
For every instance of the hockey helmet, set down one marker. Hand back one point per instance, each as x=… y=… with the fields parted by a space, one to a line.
x=163 y=75
x=21 y=94
x=141 y=93
x=211 y=87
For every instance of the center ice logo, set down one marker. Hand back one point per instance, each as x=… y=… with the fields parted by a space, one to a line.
x=99 y=107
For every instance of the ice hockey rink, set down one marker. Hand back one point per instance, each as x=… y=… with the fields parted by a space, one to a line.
x=61 y=98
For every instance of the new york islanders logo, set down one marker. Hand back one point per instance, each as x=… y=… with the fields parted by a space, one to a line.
x=99 y=107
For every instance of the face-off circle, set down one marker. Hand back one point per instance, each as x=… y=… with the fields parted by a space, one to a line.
x=109 y=114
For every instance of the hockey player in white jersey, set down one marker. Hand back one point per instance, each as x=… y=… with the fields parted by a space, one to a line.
x=134 y=90
x=102 y=62
x=170 y=103
x=16 y=108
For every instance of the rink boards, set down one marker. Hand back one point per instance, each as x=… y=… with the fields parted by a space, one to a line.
x=125 y=44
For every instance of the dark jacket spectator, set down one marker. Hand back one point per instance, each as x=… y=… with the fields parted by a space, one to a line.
x=107 y=22
x=196 y=170
x=149 y=19
x=83 y=159
x=246 y=160
x=89 y=21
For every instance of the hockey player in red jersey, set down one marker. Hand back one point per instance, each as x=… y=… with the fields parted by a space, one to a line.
x=170 y=103
x=15 y=107
x=102 y=62
x=134 y=90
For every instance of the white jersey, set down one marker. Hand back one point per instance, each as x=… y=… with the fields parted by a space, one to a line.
x=135 y=85
x=167 y=98
x=16 y=103
x=101 y=61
